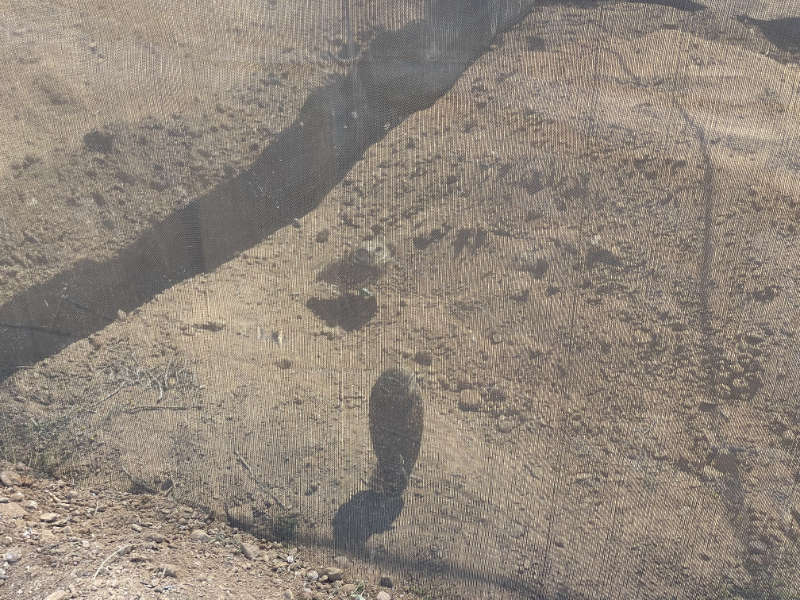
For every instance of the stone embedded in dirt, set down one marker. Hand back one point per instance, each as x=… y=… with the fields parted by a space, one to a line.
x=312 y=575
x=48 y=517
x=323 y=236
x=10 y=478
x=424 y=358
x=17 y=497
x=99 y=141
x=386 y=581
x=250 y=551
x=12 y=556
x=169 y=570
x=136 y=528
x=57 y=595
x=505 y=425
x=3 y=574
x=6 y=540
x=470 y=400
x=348 y=589
x=333 y=573
x=383 y=595
x=287 y=595
x=30 y=505
x=155 y=537
x=4 y=500
x=200 y=535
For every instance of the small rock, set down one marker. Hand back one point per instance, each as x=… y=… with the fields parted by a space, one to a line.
x=3 y=575
x=12 y=556
x=12 y=510
x=200 y=535
x=505 y=425
x=16 y=497
x=333 y=573
x=296 y=223
x=348 y=589
x=323 y=236
x=4 y=500
x=136 y=528
x=57 y=595
x=312 y=575
x=287 y=595
x=469 y=400
x=30 y=505
x=250 y=551
x=496 y=338
x=284 y=363
x=424 y=358
x=386 y=581
x=169 y=570
x=306 y=595
x=6 y=540
x=155 y=537
x=10 y=478
x=48 y=517
x=383 y=595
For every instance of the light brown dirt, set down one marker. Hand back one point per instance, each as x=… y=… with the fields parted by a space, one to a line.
x=596 y=238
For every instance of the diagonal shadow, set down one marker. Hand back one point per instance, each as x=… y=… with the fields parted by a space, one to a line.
x=400 y=73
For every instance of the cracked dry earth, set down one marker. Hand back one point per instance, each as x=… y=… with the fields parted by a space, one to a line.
x=58 y=542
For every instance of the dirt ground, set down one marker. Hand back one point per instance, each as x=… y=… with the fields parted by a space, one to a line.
x=595 y=239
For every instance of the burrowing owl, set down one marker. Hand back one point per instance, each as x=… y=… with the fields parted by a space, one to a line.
x=396 y=415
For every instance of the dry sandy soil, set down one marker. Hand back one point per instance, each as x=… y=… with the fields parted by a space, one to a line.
x=595 y=281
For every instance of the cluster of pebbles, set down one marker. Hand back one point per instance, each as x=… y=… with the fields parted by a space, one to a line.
x=58 y=542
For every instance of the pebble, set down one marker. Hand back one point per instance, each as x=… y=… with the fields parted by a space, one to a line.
x=383 y=595
x=10 y=478
x=12 y=510
x=57 y=595
x=349 y=588
x=12 y=557
x=6 y=540
x=3 y=574
x=287 y=595
x=48 y=517
x=323 y=236
x=333 y=573
x=30 y=505
x=386 y=581
x=250 y=551
x=505 y=425
x=200 y=535
x=136 y=528
x=469 y=400
x=169 y=569
x=4 y=500
x=16 y=497
x=312 y=575
x=424 y=358
x=155 y=537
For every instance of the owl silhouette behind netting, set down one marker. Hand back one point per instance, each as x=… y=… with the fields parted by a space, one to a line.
x=396 y=418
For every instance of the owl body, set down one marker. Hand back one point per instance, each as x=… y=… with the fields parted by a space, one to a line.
x=396 y=419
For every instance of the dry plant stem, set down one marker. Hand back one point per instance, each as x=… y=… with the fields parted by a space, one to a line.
x=263 y=487
x=119 y=550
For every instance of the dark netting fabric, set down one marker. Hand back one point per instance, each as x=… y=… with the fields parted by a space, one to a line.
x=499 y=297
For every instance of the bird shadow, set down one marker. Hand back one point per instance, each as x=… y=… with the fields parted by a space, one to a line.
x=364 y=515
x=350 y=312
